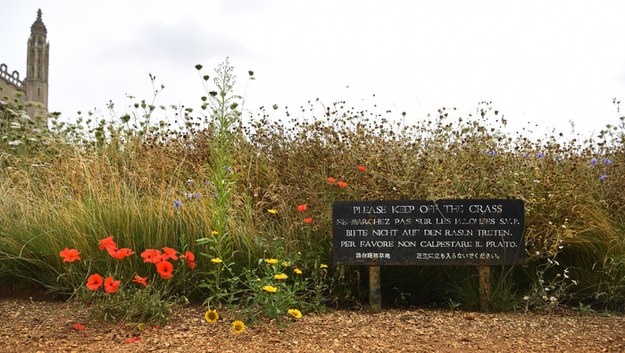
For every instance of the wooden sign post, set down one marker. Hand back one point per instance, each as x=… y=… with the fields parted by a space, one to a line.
x=375 y=290
x=483 y=233
x=485 y=288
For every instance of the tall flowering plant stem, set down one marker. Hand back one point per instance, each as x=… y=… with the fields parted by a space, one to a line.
x=221 y=107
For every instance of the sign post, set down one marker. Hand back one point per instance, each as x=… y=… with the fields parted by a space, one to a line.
x=485 y=287
x=375 y=290
x=482 y=232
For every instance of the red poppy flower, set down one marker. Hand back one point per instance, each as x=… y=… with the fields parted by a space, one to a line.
x=160 y=258
x=107 y=243
x=331 y=180
x=115 y=253
x=150 y=255
x=142 y=280
x=301 y=207
x=308 y=220
x=165 y=269
x=171 y=254
x=94 y=281
x=342 y=184
x=111 y=285
x=119 y=254
x=70 y=255
x=78 y=326
x=131 y=339
x=126 y=252
x=190 y=258
x=362 y=168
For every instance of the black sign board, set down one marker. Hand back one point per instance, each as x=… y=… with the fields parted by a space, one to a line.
x=423 y=232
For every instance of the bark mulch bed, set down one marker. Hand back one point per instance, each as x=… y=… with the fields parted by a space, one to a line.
x=47 y=326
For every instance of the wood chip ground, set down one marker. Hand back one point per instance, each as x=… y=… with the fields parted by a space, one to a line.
x=46 y=326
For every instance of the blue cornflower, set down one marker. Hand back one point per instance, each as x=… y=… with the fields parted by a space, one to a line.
x=525 y=154
x=197 y=195
x=594 y=161
x=540 y=155
x=188 y=195
x=491 y=153
x=607 y=161
x=603 y=177
x=177 y=204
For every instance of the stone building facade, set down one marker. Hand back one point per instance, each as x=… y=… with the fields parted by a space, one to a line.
x=33 y=89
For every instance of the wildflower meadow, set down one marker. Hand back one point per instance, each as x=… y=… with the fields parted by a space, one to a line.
x=130 y=213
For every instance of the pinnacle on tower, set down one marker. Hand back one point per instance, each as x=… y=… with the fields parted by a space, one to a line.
x=38 y=26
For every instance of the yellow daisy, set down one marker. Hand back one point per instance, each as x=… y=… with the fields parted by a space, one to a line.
x=271 y=261
x=215 y=232
x=297 y=271
x=217 y=260
x=323 y=266
x=211 y=316
x=270 y=289
x=280 y=276
x=238 y=327
x=295 y=313
x=272 y=211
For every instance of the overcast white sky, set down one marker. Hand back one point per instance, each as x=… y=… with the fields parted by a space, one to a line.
x=545 y=62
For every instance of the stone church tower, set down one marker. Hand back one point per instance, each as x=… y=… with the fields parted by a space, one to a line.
x=34 y=89
x=36 y=82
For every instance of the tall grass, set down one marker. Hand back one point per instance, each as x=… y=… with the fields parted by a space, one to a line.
x=82 y=182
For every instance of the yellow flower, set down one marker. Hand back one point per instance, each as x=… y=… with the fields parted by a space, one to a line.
x=215 y=232
x=286 y=264
x=238 y=327
x=295 y=313
x=280 y=276
x=271 y=261
x=270 y=289
x=272 y=211
x=211 y=316
x=297 y=271
x=323 y=266
x=217 y=260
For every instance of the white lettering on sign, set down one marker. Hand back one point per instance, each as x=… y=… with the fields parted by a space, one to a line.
x=484 y=232
x=493 y=232
x=377 y=244
x=356 y=232
x=497 y=208
x=501 y=244
x=385 y=232
x=411 y=232
x=368 y=209
x=445 y=244
x=407 y=244
x=402 y=209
